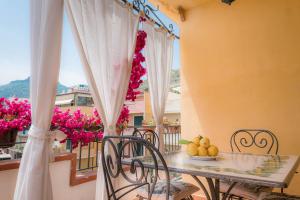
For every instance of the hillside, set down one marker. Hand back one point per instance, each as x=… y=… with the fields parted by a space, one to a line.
x=20 y=89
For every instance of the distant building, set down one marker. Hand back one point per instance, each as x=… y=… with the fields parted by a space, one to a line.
x=140 y=110
x=172 y=110
x=4 y=155
x=76 y=97
x=141 y=113
x=136 y=110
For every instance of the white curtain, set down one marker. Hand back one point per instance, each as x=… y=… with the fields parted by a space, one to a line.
x=33 y=182
x=159 y=56
x=105 y=33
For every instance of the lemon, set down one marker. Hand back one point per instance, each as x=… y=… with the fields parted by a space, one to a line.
x=202 y=151
x=213 y=150
x=205 y=142
x=196 y=141
x=192 y=149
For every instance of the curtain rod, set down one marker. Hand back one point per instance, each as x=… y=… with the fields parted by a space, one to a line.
x=140 y=5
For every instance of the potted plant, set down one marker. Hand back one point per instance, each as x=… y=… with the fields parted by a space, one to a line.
x=14 y=116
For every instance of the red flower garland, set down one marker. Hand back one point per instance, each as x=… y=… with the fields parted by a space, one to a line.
x=137 y=68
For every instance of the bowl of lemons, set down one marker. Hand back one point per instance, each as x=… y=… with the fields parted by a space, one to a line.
x=200 y=148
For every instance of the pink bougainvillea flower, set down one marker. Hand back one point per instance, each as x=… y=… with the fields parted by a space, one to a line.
x=81 y=128
x=138 y=71
x=14 y=115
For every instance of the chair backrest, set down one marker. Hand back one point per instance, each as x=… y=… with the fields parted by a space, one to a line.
x=147 y=134
x=245 y=139
x=114 y=167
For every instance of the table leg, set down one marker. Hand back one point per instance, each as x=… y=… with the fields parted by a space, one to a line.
x=214 y=188
x=217 y=187
x=228 y=191
x=202 y=187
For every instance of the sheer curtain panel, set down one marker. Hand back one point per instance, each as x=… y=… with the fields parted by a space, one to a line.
x=159 y=57
x=105 y=33
x=33 y=182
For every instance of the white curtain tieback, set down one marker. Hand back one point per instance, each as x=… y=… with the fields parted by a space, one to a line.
x=39 y=134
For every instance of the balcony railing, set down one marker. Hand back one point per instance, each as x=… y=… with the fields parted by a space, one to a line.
x=11 y=151
x=172 y=135
x=87 y=155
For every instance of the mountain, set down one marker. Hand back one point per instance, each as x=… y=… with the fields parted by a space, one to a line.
x=20 y=89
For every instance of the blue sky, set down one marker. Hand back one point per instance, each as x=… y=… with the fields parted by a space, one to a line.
x=15 y=49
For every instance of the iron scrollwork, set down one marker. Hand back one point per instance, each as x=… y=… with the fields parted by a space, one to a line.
x=137 y=175
x=148 y=135
x=247 y=138
x=150 y=13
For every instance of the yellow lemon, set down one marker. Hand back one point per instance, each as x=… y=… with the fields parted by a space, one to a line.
x=196 y=141
x=213 y=150
x=192 y=149
x=205 y=142
x=202 y=151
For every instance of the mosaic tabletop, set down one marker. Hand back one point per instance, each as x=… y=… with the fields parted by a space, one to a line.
x=264 y=170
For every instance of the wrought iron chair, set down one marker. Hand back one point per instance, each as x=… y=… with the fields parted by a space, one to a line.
x=244 y=140
x=152 y=137
x=148 y=135
x=133 y=171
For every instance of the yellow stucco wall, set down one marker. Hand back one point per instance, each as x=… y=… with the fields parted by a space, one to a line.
x=241 y=69
x=84 y=109
x=148 y=112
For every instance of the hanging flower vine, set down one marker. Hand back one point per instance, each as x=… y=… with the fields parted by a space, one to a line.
x=138 y=71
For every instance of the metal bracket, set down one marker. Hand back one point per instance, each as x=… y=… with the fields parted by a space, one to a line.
x=181 y=13
x=229 y=2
